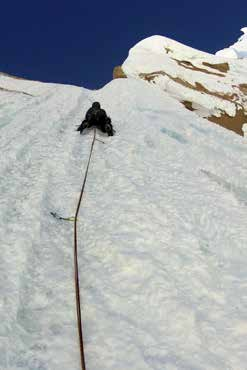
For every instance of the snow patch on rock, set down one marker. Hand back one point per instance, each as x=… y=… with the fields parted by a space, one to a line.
x=212 y=84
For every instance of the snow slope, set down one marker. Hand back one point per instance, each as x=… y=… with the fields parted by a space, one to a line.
x=162 y=233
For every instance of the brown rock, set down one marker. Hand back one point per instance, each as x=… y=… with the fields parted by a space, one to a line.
x=198 y=86
x=188 y=105
x=188 y=65
x=231 y=123
x=118 y=73
x=243 y=88
x=222 y=67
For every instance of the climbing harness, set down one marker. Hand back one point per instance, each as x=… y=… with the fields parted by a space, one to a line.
x=77 y=284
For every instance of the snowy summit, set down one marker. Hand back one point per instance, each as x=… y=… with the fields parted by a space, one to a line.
x=162 y=229
x=213 y=87
x=238 y=50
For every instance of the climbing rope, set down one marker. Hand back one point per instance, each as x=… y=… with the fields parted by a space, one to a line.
x=77 y=284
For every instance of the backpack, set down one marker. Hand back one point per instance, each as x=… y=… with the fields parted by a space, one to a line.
x=95 y=115
x=100 y=115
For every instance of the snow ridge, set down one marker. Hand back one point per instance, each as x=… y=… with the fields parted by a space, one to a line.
x=238 y=50
x=212 y=87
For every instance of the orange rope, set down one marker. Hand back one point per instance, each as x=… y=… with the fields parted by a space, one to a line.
x=77 y=283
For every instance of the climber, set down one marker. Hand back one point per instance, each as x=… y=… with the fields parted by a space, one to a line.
x=97 y=117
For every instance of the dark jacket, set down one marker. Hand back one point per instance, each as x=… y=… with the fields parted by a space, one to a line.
x=97 y=117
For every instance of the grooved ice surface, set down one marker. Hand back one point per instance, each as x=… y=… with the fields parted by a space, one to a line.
x=162 y=233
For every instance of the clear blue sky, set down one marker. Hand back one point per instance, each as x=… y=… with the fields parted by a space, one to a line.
x=80 y=42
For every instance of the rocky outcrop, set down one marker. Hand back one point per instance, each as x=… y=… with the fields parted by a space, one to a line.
x=213 y=87
x=118 y=73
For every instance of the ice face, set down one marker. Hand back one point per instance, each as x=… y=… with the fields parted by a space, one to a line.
x=162 y=234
